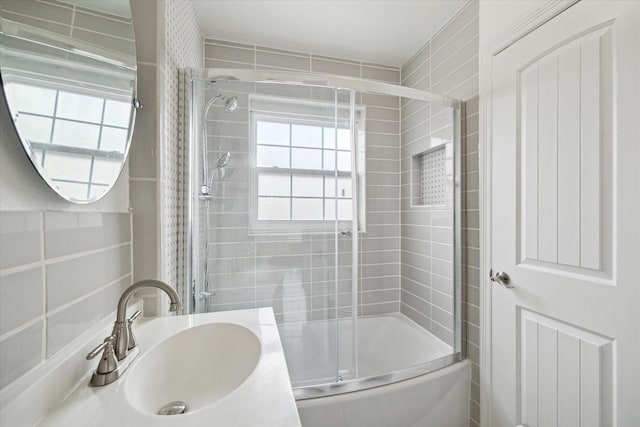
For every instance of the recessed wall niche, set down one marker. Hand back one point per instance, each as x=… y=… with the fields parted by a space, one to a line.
x=430 y=173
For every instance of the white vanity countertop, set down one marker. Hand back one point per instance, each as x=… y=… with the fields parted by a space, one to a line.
x=265 y=398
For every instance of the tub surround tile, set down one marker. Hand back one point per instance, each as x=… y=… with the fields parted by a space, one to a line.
x=454 y=37
x=293 y=264
x=417 y=60
x=324 y=66
x=448 y=65
x=283 y=61
x=378 y=283
x=380 y=297
x=417 y=289
x=383 y=308
x=374 y=100
x=220 y=52
x=216 y=63
x=385 y=75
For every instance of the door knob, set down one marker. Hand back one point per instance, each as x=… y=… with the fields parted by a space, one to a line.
x=502 y=278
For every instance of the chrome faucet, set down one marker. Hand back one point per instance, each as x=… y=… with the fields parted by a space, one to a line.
x=121 y=348
x=120 y=329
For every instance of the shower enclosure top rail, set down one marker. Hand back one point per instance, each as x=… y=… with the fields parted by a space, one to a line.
x=284 y=77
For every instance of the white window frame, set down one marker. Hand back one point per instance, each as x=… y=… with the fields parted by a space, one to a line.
x=259 y=227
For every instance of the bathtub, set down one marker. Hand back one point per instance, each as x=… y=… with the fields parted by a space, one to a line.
x=391 y=388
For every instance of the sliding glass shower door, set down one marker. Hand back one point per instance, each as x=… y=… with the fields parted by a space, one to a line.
x=274 y=199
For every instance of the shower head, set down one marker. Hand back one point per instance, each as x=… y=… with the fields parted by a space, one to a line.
x=223 y=161
x=231 y=104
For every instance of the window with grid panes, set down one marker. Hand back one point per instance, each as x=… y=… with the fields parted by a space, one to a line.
x=295 y=176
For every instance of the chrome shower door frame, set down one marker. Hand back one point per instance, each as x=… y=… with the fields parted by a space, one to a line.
x=364 y=86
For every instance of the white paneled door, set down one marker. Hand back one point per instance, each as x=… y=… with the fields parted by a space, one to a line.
x=565 y=206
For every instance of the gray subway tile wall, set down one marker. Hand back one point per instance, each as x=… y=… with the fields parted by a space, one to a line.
x=21 y=238
x=72 y=320
x=101 y=29
x=72 y=268
x=91 y=270
x=24 y=285
x=34 y=242
x=20 y=352
x=68 y=233
x=144 y=158
x=299 y=269
x=448 y=65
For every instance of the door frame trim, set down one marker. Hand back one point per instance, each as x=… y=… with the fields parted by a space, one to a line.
x=537 y=17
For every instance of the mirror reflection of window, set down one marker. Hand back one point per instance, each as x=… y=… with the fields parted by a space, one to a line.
x=80 y=140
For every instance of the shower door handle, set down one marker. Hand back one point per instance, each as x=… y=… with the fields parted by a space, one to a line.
x=345 y=232
x=502 y=278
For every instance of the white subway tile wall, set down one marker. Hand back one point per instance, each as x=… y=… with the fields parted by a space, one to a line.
x=70 y=270
x=448 y=65
x=295 y=274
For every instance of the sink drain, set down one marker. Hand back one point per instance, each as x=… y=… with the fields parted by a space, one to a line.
x=173 y=408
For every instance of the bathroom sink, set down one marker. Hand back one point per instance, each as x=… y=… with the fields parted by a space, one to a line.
x=198 y=366
x=227 y=367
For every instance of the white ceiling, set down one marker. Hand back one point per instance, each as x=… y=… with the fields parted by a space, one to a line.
x=379 y=31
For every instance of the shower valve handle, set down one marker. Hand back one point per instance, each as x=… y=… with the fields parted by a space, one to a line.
x=205 y=295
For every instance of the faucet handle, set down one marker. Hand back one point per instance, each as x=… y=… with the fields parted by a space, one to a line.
x=96 y=351
x=108 y=362
x=134 y=316
x=131 y=339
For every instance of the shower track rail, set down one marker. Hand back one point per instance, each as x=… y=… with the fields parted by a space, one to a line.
x=293 y=78
x=357 y=384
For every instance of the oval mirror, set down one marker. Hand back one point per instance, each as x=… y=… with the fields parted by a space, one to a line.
x=68 y=72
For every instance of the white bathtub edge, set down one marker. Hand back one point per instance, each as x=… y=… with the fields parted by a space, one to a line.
x=440 y=398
